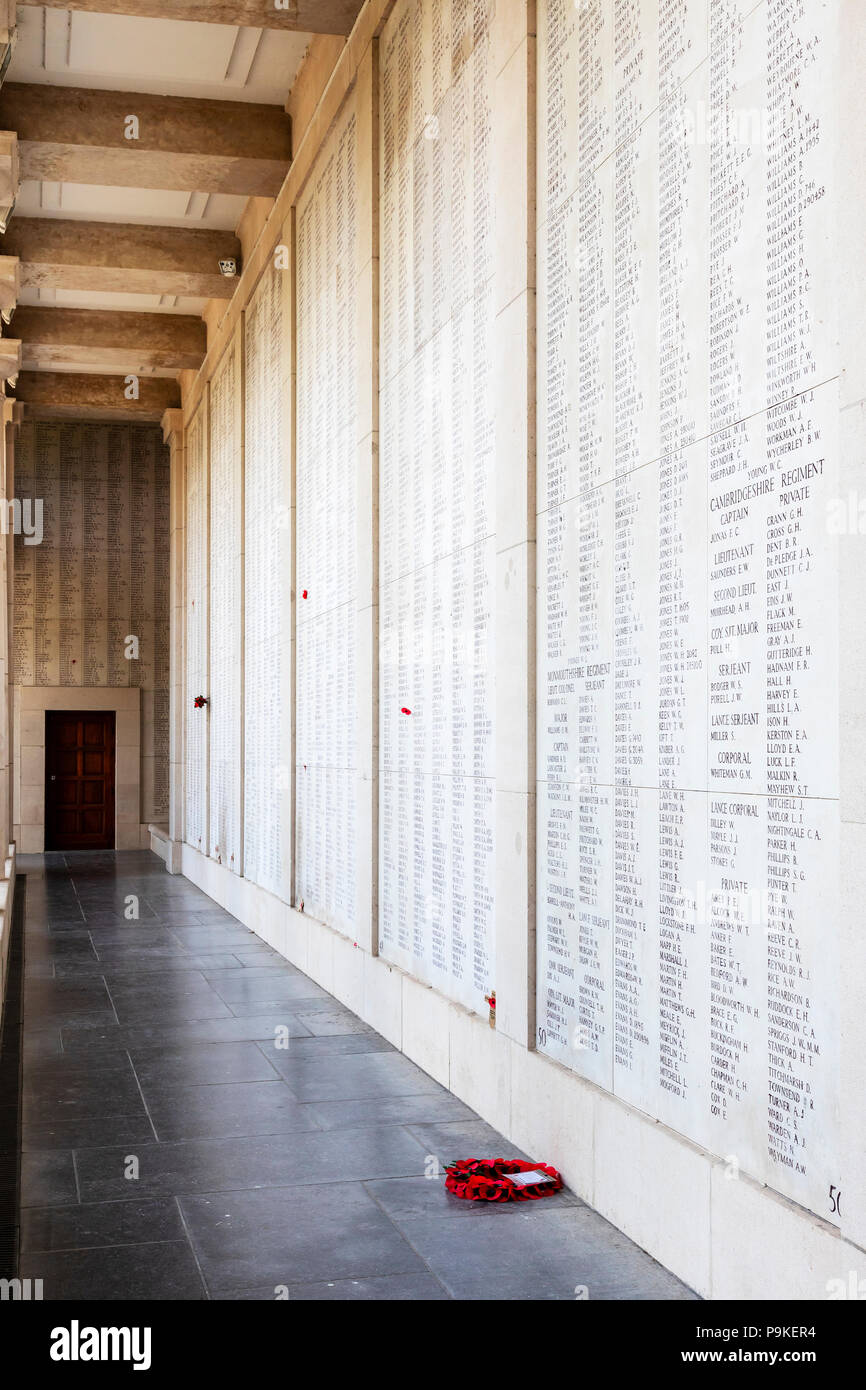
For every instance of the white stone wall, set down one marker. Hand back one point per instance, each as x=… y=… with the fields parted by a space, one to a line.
x=688 y=366
x=195 y=655
x=268 y=628
x=437 y=544
x=688 y=744
x=225 y=611
x=327 y=532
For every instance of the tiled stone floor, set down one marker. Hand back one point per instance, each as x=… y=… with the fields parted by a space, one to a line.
x=150 y=1049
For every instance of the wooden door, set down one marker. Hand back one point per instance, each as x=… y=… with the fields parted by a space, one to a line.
x=79 y=779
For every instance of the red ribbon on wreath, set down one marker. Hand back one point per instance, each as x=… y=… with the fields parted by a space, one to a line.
x=487 y=1180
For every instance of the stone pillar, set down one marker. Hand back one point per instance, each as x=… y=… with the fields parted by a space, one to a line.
x=173 y=434
x=367 y=649
x=514 y=388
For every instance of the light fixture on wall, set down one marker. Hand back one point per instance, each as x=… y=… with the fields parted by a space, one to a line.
x=228 y=266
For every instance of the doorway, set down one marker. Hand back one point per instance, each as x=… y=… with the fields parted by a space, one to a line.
x=79 y=779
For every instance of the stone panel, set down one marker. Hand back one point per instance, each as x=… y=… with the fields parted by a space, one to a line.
x=688 y=762
x=437 y=557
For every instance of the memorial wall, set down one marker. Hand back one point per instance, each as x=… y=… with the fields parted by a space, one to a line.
x=196 y=669
x=268 y=638
x=523 y=637
x=326 y=539
x=225 y=612
x=436 y=497
x=688 y=762
x=91 y=601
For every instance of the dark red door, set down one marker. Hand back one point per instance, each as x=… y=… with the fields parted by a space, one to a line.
x=79 y=779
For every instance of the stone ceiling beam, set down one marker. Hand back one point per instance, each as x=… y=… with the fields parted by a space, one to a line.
x=120 y=258
x=305 y=16
x=70 y=395
x=138 y=140
x=66 y=339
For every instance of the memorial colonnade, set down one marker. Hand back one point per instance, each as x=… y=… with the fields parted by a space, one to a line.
x=515 y=655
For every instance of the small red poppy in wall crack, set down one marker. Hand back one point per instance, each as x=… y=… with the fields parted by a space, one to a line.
x=491 y=1000
x=200 y=701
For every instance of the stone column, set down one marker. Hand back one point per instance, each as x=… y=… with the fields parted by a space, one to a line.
x=514 y=387
x=173 y=434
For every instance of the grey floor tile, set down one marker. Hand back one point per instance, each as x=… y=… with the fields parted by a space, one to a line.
x=44 y=1072
x=216 y=1165
x=40 y=969
x=294 y=1235
x=135 y=965
x=248 y=1008
x=170 y=917
x=74 y=948
x=201 y=938
x=78 y=1041
x=90 y=1133
x=538 y=1255
x=54 y=1001
x=133 y=937
x=467 y=1138
x=390 y=1110
x=268 y=968
x=116 y=914
x=47 y=1178
x=41 y=1043
x=170 y=1010
x=174 y=996
x=198 y=1064
x=258 y=951
x=387 y=1288
x=221 y=1111
x=101 y=1223
x=246 y=986
x=326 y=1018
x=331 y=1045
x=165 y=1271
x=82 y=1094
x=352 y=1077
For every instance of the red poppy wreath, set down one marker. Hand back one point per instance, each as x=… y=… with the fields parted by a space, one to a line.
x=489 y=1180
